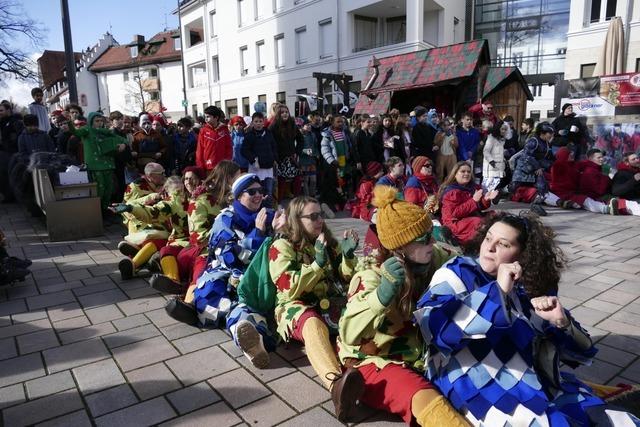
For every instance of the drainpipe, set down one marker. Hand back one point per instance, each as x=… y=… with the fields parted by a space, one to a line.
x=375 y=64
x=184 y=79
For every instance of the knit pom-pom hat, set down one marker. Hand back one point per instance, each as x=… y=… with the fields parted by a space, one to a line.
x=398 y=222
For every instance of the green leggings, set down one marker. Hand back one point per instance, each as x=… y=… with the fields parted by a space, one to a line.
x=104 y=180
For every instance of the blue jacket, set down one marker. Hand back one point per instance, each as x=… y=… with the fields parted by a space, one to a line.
x=468 y=141
x=237 y=138
x=261 y=146
x=39 y=140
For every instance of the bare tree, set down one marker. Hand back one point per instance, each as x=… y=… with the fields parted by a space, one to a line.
x=15 y=25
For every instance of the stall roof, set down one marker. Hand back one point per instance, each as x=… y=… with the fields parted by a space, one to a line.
x=498 y=75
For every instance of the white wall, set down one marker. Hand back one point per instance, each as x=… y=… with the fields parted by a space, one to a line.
x=170 y=75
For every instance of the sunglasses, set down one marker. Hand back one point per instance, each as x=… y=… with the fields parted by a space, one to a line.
x=313 y=216
x=253 y=191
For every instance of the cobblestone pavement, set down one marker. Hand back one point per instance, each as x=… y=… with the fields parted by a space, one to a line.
x=78 y=346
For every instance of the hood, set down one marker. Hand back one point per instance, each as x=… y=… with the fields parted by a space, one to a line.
x=622 y=166
x=563 y=154
x=92 y=116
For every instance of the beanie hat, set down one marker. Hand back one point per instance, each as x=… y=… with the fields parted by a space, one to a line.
x=235 y=120
x=565 y=106
x=373 y=168
x=398 y=222
x=199 y=172
x=419 y=162
x=420 y=110
x=242 y=183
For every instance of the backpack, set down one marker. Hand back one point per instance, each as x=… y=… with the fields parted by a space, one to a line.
x=256 y=289
x=513 y=160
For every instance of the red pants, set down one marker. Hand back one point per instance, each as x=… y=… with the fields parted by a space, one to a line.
x=158 y=243
x=297 y=328
x=392 y=388
x=190 y=263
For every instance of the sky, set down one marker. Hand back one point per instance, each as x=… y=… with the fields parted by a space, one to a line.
x=90 y=19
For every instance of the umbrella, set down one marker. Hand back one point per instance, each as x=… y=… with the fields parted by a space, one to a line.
x=611 y=59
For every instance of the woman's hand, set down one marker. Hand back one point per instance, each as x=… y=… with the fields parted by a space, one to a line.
x=261 y=220
x=477 y=196
x=491 y=195
x=393 y=276
x=349 y=243
x=539 y=172
x=550 y=309
x=321 y=250
x=508 y=274
x=279 y=220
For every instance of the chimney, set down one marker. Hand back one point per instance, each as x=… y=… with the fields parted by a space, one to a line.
x=138 y=40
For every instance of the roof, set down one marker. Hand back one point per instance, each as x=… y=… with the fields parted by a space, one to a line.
x=499 y=75
x=428 y=67
x=51 y=65
x=160 y=48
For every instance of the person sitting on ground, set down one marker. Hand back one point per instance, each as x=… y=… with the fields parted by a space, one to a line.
x=493 y=163
x=377 y=335
x=32 y=139
x=498 y=317
x=421 y=187
x=395 y=176
x=363 y=207
x=626 y=181
x=462 y=203
x=310 y=270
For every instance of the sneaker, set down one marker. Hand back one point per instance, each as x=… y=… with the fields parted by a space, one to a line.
x=252 y=345
x=126 y=268
x=346 y=390
x=164 y=284
x=327 y=211
x=181 y=311
x=613 y=206
x=127 y=249
x=538 y=210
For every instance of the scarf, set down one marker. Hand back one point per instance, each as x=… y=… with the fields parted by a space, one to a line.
x=341 y=147
x=243 y=217
x=428 y=182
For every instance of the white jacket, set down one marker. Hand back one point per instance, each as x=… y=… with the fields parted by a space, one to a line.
x=493 y=150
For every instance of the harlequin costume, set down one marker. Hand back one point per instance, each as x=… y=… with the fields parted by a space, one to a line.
x=486 y=352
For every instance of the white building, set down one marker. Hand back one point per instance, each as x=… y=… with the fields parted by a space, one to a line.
x=238 y=52
x=141 y=76
x=588 y=27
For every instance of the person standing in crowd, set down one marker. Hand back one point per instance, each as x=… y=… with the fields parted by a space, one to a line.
x=447 y=142
x=395 y=176
x=183 y=152
x=422 y=135
x=316 y=128
x=422 y=187
x=468 y=139
x=368 y=148
x=74 y=112
x=626 y=181
x=527 y=131
x=404 y=132
x=493 y=163
x=309 y=161
x=238 y=130
x=38 y=109
x=33 y=139
x=214 y=140
x=386 y=137
x=124 y=160
x=66 y=141
x=289 y=142
x=10 y=127
x=148 y=145
x=569 y=131
x=340 y=157
x=260 y=150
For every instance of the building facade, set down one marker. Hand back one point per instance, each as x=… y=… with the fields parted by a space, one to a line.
x=239 y=52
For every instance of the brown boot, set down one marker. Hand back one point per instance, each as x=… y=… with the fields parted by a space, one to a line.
x=346 y=390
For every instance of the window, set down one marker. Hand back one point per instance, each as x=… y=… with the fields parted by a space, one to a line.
x=194 y=110
x=260 y=56
x=637 y=65
x=396 y=31
x=327 y=41
x=125 y=76
x=246 y=107
x=535 y=115
x=277 y=5
x=193 y=33
x=212 y=23
x=301 y=54
x=195 y=37
x=134 y=51
x=366 y=29
x=262 y=8
x=301 y=91
x=198 y=75
x=153 y=72
x=231 y=105
x=602 y=11
x=243 y=61
x=177 y=43
x=586 y=70
x=262 y=98
x=244 y=12
x=281 y=97
x=154 y=96
x=215 y=65
x=278 y=42
x=204 y=105
x=218 y=104
x=551 y=113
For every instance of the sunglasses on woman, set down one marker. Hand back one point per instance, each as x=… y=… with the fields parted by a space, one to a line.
x=254 y=191
x=313 y=216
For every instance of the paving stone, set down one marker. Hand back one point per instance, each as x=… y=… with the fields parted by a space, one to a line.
x=65 y=311
x=24 y=328
x=42 y=409
x=146 y=413
x=110 y=400
x=20 y=369
x=614 y=355
x=604 y=306
x=219 y=415
x=160 y=318
x=201 y=365
x=239 y=387
x=278 y=367
x=87 y=332
x=49 y=300
x=130 y=322
x=12 y=307
x=130 y=336
x=141 y=305
x=588 y=316
x=314 y=417
x=29 y=316
x=77 y=274
x=59 y=286
x=629 y=286
x=50 y=384
x=98 y=376
x=141 y=292
x=231 y=349
x=73 y=323
x=627 y=317
x=200 y=340
x=152 y=381
x=193 y=397
x=16 y=292
x=103 y=298
x=72 y=355
x=266 y=412
x=178 y=330
x=144 y=353
x=7 y=348
x=619 y=328
x=620 y=266
x=37 y=341
x=617 y=297
x=11 y=395
x=633 y=372
x=103 y=314
x=75 y=419
x=599 y=372
x=104 y=285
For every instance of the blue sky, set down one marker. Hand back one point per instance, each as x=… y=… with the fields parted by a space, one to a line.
x=90 y=19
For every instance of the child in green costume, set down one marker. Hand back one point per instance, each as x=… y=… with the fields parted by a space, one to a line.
x=99 y=147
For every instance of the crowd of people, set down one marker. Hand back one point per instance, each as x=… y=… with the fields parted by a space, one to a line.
x=449 y=316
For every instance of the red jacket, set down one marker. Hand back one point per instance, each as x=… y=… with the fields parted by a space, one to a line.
x=214 y=145
x=593 y=183
x=362 y=208
x=565 y=177
x=460 y=213
x=419 y=187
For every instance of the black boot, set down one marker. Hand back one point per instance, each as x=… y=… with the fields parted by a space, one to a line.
x=182 y=311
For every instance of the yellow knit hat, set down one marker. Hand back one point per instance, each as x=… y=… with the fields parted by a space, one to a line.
x=398 y=222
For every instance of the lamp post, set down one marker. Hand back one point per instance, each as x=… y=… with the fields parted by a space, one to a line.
x=69 y=56
x=184 y=80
